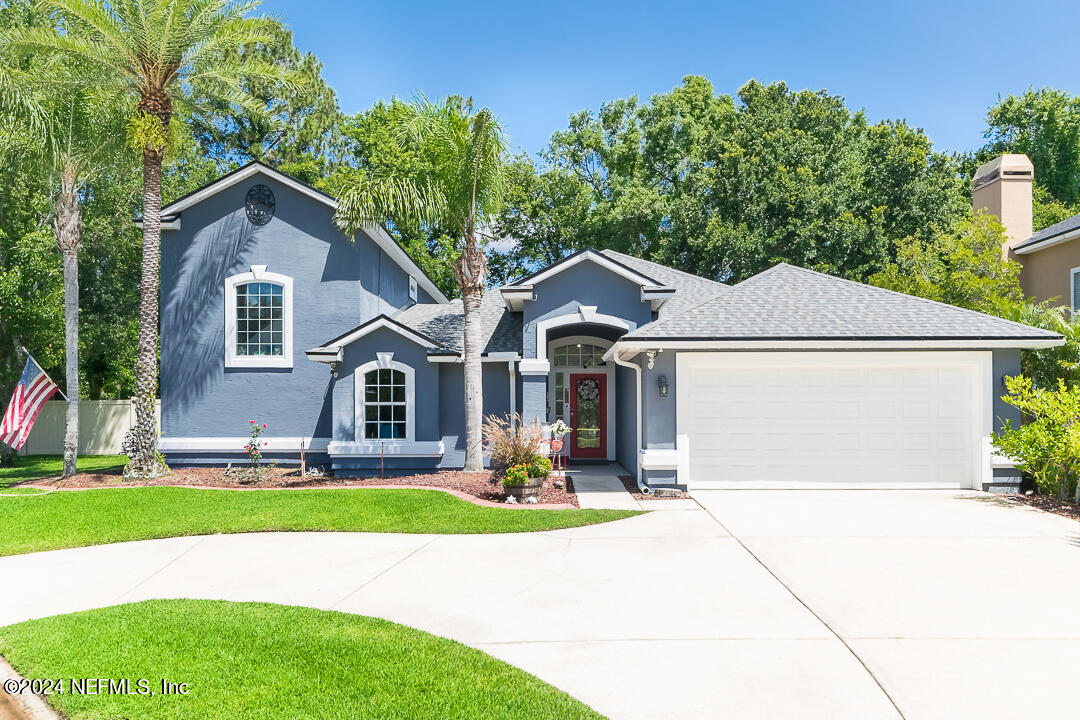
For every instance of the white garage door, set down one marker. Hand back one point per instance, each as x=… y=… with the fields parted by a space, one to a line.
x=832 y=419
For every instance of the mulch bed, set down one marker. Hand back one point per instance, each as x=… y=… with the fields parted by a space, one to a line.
x=483 y=485
x=630 y=483
x=1051 y=504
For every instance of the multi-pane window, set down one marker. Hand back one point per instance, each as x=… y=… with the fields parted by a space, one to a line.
x=260 y=318
x=579 y=355
x=384 y=405
x=560 y=403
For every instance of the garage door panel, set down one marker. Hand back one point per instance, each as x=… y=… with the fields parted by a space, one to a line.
x=828 y=424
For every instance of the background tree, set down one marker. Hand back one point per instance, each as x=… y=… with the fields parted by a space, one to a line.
x=77 y=133
x=158 y=52
x=1045 y=125
x=298 y=125
x=371 y=146
x=466 y=150
x=961 y=266
x=726 y=187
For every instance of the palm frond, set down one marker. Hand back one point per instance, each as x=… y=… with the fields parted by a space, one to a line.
x=374 y=201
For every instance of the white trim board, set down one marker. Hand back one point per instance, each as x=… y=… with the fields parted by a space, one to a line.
x=1048 y=242
x=634 y=345
x=591 y=256
x=236 y=444
x=375 y=448
x=584 y=314
x=368 y=328
x=378 y=234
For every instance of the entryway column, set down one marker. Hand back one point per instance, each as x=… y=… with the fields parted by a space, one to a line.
x=534 y=381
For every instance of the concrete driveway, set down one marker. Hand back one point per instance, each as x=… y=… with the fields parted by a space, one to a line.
x=839 y=605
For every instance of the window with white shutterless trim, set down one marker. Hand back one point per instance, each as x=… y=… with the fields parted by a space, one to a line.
x=258 y=319
x=412 y=288
x=1074 y=289
x=385 y=399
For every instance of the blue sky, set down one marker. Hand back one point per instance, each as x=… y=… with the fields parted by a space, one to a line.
x=939 y=65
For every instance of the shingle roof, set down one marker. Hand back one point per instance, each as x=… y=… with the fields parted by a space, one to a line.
x=690 y=289
x=1060 y=228
x=500 y=329
x=788 y=302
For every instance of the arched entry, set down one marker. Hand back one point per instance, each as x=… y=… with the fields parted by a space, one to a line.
x=581 y=393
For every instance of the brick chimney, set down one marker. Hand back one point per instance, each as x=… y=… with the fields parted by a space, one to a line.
x=1003 y=188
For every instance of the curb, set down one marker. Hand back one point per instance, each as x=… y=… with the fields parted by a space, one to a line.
x=24 y=706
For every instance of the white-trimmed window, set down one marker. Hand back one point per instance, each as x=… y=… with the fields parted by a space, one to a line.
x=1074 y=288
x=385 y=397
x=258 y=319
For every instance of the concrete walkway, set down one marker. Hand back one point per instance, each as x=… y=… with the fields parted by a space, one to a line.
x=825 y=605
x=599 y=487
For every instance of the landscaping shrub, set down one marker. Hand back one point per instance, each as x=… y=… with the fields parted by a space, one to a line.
x=510 y=441
x=1047 y=444
x=540 y=467
x=516 y=475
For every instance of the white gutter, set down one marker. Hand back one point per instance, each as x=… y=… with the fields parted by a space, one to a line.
x=513 y=391
x=642 y=487
x=1048 y=242
x=644 y=344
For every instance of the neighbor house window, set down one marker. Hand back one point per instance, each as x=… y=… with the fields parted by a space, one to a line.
x=385 y=400
x=258 y=319
x=1074 y=287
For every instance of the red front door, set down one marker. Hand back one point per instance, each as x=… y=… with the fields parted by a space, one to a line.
x=588 y=415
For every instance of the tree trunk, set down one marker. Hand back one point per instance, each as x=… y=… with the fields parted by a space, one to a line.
x=470 y=269
x=143 y=440
x=68 y=235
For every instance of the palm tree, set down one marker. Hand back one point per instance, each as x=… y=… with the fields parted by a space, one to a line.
x=50 y=110
x=468 y=153
x=155 y=52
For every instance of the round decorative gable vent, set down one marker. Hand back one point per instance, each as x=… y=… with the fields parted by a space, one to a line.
x=260 y=204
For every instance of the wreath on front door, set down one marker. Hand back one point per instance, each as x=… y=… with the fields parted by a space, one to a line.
x=588 y=390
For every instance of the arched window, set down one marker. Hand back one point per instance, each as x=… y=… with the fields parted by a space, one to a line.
x=581 y=355
x=258 y=319
x=385 y=399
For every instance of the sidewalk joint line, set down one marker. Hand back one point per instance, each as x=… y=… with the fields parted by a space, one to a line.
x=161 y=569
x=808 y=609
x=382 y=572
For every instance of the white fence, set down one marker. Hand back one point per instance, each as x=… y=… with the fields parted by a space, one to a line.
x=102 y=424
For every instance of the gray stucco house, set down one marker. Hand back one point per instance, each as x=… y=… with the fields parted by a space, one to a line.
x=789 y=379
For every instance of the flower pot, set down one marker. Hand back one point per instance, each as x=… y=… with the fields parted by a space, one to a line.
x=521 y=492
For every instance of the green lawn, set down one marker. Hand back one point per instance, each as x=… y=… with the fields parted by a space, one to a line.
x=74 y=518
x=34 y=467
x=247 y=661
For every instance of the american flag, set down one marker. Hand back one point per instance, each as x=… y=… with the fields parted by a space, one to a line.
x=33 y=390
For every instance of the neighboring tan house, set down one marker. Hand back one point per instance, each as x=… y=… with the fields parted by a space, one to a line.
x=1050 y=257
x=791 y=378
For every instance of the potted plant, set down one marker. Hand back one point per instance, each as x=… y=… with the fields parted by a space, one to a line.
x=524 y=480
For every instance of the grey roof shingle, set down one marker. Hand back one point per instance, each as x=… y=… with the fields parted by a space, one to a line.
x=788 y=302
x=690 y=289
x=500 y=329
x=1060 y=228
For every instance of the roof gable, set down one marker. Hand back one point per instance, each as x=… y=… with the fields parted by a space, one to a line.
x=377 y=233
x=332 y=350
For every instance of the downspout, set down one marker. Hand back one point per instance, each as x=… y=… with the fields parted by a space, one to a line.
x=642 y=487
x=513 y=393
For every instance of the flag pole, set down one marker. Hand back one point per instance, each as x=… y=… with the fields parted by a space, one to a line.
x=45 y=373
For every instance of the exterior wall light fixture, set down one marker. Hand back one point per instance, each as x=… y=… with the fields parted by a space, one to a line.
x=662 y=385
